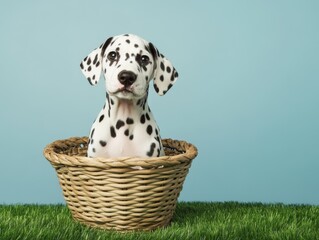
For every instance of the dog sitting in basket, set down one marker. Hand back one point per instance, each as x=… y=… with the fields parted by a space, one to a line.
x=125 y=126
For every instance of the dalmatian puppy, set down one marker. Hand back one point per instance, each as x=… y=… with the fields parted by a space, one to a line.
x=126 y=126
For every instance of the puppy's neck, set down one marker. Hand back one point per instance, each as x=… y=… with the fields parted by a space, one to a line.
x=124 y=108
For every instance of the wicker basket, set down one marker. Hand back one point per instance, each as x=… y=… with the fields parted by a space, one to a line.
x=114 y=193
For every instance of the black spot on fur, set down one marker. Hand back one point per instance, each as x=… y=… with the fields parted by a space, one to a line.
x=174 y=75
x=129 y=121
x=105 y=45
x=156 y=88
x=89 y=68
x=147 y=49
x=127 y=132
x=103 y=143
x=89 y=61
x=168 y=69
x=136 y=45
x=149 y=129
x=128 y=41
x=95 y=60
x=127 y=56
x=162 y=78
x=147 y=116
x=119 y=124
x=108 y=101
x=138 y=58
x=101 y=118
x=113 y=133
x=131 y=137
x=162 y=66
x=151 y=152
x=142 y=119
x=154 y=53
x=92 y=132
x=81 y=65
x=93 y=149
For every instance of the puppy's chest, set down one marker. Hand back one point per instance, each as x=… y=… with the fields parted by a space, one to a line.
x=125 y=135
x=126 y=143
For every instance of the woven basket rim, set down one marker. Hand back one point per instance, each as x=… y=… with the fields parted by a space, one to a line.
x=188 y=153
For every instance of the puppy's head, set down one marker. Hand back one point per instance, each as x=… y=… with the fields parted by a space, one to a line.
x=128 y=64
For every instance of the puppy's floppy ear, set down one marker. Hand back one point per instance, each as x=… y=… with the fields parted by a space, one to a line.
x=165 y=74
x=91 y=66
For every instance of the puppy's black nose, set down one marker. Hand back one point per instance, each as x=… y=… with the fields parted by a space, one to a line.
x=127 y=78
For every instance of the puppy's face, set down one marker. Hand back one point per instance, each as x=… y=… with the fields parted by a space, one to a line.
x=128 y=67
x=128 y=64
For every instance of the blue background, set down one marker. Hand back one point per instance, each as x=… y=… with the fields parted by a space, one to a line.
x=247 y=95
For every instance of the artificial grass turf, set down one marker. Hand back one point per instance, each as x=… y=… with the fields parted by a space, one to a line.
x=192 y=220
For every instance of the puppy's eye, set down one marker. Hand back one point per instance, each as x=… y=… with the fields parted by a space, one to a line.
x=112 y=56
x=145 y=60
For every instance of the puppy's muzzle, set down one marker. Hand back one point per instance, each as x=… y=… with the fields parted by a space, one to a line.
x=127 y=78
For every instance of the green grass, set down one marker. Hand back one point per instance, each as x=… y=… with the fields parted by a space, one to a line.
x=192 y=220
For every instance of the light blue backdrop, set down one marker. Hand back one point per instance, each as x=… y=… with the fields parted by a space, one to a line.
x=247 y=95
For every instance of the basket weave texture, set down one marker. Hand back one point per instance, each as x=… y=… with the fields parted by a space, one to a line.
x=122 y=193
